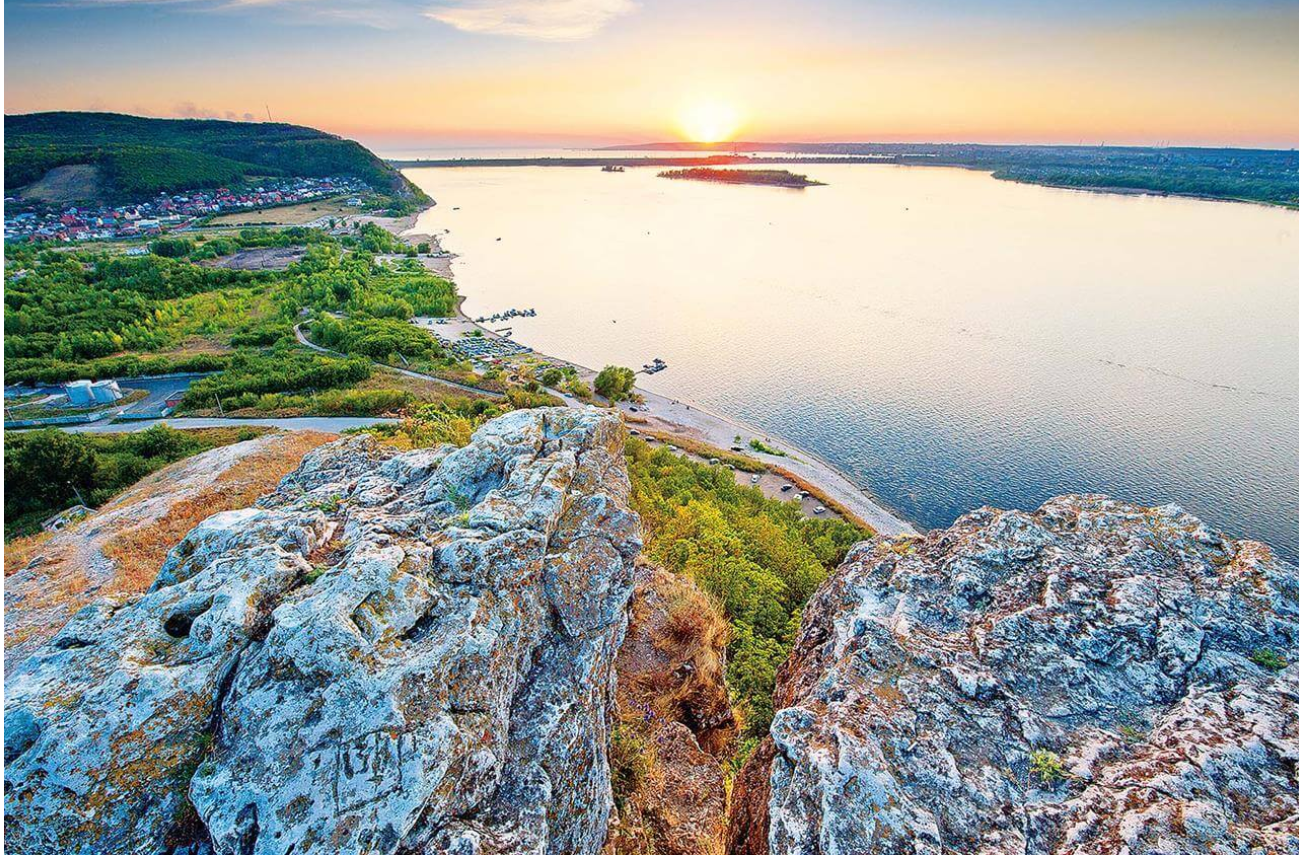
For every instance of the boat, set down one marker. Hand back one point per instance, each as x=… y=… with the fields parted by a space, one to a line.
x=610 y=167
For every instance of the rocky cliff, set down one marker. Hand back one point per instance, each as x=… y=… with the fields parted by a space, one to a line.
x=392 y=651
x=117 y=550
x=1091 y=677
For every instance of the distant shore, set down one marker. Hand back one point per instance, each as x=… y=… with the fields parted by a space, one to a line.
x=670 y=417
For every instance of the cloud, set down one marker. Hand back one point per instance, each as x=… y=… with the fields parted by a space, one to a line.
x=550 y=20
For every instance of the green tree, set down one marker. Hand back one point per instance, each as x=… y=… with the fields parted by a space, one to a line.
x=614 y=382
x=45 y=469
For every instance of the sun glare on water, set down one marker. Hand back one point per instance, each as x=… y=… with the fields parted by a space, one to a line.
x=709 y=121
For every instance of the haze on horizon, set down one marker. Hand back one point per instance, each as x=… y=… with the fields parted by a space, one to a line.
x=407 y=74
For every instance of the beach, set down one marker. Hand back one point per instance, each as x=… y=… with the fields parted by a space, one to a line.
x=671 y=417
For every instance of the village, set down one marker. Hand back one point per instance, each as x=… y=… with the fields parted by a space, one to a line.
x=166 y=212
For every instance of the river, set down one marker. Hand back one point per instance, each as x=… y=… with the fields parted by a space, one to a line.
x=946 y=339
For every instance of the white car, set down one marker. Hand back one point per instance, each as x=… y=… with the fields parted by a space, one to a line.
x=819 y=509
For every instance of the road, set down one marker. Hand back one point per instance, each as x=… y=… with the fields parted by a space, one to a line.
x=330 y=424
x=303 y=340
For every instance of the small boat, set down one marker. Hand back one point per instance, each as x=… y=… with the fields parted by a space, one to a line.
x=612 y=168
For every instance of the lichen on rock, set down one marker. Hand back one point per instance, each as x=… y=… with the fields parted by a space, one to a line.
x=393 y=651
x=1084 y=678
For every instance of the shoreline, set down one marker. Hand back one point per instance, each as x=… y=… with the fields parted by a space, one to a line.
x=672 y=416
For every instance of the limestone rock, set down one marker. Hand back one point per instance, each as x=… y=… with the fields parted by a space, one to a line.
x=1078 y=679
x=390 y=652
x=117 y=550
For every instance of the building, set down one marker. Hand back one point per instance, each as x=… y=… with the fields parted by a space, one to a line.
x=105 y=391
x=79 y=394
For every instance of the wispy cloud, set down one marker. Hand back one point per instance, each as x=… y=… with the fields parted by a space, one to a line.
x=551 y=20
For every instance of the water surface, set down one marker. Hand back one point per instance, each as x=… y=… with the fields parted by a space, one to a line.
x=946 y=339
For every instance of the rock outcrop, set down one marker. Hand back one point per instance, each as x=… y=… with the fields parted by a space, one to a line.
x=392 y=652
x=676 y=720
x=118 y=550
x=1092 y=677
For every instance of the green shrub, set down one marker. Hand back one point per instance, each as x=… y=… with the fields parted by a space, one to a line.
x=1268 y=658
x=1047 y=766
x=759 y=558
x=614 y=382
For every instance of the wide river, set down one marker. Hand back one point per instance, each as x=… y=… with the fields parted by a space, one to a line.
x=946 y=339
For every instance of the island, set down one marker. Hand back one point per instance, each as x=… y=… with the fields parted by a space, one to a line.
x=770 y=177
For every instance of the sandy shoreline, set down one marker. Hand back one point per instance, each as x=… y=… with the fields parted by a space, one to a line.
x=670 y=416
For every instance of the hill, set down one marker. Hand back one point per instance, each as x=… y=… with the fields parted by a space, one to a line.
x=110 y=157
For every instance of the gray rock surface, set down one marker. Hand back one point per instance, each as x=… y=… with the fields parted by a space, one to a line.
x=390 y=652
x=936 y=686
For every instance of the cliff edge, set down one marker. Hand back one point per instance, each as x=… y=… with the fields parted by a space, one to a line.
x=1092 y=677
x=390 y=652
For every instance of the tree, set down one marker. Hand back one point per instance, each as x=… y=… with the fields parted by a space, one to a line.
x=614 y=382
x=552 y=377
x=46 y=469
x=423 y=248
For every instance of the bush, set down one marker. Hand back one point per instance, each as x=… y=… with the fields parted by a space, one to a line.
x=614 y=382
x=171 y=248
x=1047 y=766
x=1268 y=658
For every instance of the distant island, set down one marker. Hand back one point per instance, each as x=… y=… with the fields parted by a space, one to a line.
x=768 y=177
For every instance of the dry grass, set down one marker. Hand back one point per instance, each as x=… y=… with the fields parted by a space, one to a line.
x=138 y=553
x=122 y=554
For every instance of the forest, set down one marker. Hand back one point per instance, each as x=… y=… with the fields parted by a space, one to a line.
x=758 y=559
x=139 y=157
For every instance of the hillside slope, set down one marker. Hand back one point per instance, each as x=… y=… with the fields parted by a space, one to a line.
x=136 y=157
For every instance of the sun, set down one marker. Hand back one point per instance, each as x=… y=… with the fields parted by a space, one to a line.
x=709 y=120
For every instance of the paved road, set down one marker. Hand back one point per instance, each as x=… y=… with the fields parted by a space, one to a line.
x=330 y=424
x=303 y=340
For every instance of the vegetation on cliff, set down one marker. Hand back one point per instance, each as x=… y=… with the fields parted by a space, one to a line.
x=759 y=559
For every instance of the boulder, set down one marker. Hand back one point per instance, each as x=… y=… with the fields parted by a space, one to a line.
x=393 y=651
x=1093 y=677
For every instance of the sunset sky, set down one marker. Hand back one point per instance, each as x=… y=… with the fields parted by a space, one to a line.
x=402 y=75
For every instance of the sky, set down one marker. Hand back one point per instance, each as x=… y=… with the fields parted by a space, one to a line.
x=405 y=75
